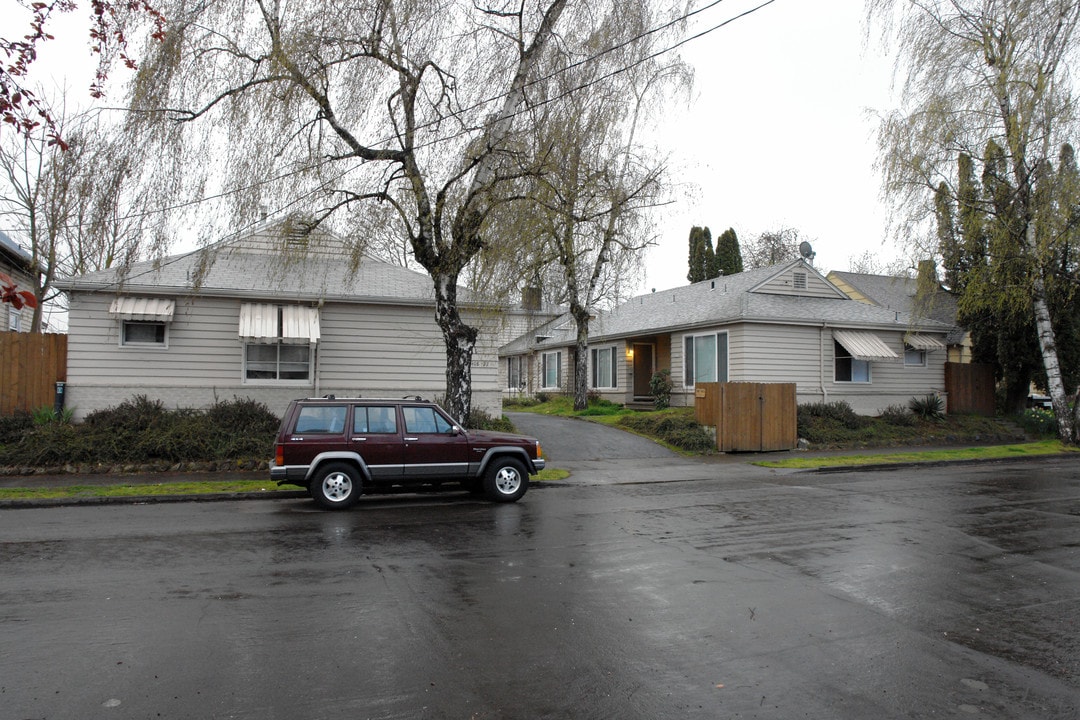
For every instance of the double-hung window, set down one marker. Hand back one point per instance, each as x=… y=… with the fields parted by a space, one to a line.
x=914 y=357
x=279 y=342
x=551 y=370
x=604 y=368
x=705 y=358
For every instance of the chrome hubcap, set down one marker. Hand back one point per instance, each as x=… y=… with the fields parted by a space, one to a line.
x=507 y=481
x=337 y=486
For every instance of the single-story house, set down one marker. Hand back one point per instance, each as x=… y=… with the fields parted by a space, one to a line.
x=270 y=317
x=785 y=323
x=901 y=293
x=18 y=264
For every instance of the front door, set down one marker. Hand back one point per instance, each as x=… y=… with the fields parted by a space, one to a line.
x=644 y=367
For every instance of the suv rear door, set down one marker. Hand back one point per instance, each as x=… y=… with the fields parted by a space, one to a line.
x=376 y=437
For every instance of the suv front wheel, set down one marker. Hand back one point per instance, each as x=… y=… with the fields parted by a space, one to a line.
x=336 y=486
x=505 y=480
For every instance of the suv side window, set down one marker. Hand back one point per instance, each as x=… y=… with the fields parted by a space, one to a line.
x=321 y=419
x=374 y=420
x=424 y=420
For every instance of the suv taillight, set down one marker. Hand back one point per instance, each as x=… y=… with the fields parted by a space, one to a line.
x=279 y=455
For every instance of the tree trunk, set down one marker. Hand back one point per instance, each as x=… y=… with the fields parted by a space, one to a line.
x=1048 y=346
x=460 y=340
x=581 y=359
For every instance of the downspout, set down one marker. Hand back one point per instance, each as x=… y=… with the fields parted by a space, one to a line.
x=318 y=369
x=821 y=361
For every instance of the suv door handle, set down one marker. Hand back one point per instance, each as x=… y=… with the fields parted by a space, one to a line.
x=359 y=439
x=413 y=439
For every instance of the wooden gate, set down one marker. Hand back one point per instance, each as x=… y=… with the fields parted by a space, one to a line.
x=30 y=366
x=970 y=388
x=749 y=417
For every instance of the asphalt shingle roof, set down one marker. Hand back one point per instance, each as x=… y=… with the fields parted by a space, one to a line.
x=257 y=267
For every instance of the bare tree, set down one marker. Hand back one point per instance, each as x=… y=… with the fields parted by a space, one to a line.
x=771 y=248
x=412 y=104
x=979 y=71
x=67 y=204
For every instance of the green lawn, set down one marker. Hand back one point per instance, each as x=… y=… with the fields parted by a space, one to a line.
x=989 y=452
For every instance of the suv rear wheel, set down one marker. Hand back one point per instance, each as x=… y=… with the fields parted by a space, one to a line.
x=336 y=486
x=505 y=480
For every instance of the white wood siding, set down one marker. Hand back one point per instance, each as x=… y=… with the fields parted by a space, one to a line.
x=761 y=352
x=365 y=349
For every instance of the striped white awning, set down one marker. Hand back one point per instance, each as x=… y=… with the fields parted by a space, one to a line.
x=263 y=322
x=864 y=345
x=924 y=342
x=135 y=308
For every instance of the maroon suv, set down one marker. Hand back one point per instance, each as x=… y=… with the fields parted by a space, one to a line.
x=339 y=448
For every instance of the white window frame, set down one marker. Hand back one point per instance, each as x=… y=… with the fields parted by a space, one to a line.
x=611 y=382
x=143 y=344
x=545 y=362
x=14 y=320
x=277 y=379
x=837 y=348
x=690 y=363
x=910 y=352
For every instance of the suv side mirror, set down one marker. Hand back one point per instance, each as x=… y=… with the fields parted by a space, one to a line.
x=456 y=430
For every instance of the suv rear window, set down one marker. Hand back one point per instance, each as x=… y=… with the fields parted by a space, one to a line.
x=321 y=419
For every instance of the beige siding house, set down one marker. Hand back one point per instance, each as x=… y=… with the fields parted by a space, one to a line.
x=266 y=318
x=17 y=264
x=786 y=323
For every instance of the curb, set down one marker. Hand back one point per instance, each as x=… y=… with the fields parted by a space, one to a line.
x=150 y=499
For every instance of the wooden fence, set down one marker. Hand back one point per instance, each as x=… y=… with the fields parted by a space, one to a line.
x=30 y=366
x=749 y=417
x=970 y=387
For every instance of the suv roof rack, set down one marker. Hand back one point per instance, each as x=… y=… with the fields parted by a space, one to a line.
x=406 y=398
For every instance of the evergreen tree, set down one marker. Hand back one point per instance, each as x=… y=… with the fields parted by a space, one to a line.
x=728 y=255
x=701 y=255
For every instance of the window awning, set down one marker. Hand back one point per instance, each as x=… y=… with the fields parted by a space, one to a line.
x=266 y=323
x=924 y=342
x=136 y=308
x=864 y=345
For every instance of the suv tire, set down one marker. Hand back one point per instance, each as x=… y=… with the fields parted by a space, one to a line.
x=336 y=486
x=505 y=480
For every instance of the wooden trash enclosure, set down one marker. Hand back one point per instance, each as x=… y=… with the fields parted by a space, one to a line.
x=30 y=366
x=970 y=388
x=749 y=417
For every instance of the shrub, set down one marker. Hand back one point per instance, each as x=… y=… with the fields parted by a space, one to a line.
x=1038 y=421
x=680 y=430
x=12 y=427
x=660 y=386
x=481 y=420
x=898 y=415
x=245 y=413
x=838 y=411
x=138 y=413
x=542 y=397
x=928 y=407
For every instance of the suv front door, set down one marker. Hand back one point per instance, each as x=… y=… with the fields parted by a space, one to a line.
x=433 y=448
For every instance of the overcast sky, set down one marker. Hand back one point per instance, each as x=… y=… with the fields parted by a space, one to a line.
x=778 y=131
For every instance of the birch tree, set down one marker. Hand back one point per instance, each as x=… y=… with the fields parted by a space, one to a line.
x=977 y=71
x=409 y=104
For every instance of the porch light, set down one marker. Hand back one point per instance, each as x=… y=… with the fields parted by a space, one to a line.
x=629 y=353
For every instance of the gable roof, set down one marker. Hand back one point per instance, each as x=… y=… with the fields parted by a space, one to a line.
x=900 y=293
x=269 y=264
x=762 y=295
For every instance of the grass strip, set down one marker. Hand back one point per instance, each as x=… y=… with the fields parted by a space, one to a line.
x=205 y=487
x=989 y=452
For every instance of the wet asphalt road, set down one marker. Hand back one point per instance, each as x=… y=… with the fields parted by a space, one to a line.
x=951 y=592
